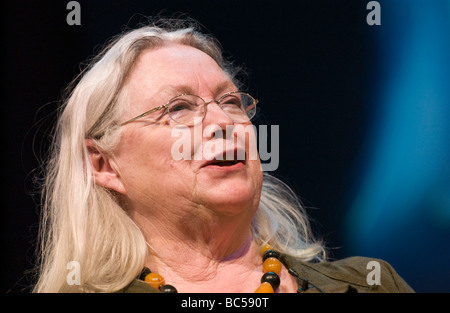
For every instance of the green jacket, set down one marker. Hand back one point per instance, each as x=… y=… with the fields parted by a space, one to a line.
x=346 y=275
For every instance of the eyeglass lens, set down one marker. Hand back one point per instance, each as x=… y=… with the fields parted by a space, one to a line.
x=184 y=109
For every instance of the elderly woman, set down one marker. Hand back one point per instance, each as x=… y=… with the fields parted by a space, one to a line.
x=137 y=219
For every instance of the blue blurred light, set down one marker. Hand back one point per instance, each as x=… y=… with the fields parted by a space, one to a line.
x=403 y=201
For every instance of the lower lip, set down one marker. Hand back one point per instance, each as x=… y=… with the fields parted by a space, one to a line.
x=233 y=167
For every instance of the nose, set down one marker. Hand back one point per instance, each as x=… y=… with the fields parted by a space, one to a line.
x=216 y=119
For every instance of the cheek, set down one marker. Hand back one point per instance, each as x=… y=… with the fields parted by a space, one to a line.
x=143 y=154
x=147 y=160
x=185 y=143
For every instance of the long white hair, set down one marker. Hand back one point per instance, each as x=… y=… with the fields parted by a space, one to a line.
x=84 y=222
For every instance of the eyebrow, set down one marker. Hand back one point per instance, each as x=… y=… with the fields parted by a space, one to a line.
x=174 y=90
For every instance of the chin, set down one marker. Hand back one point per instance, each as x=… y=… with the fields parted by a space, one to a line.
x=234 y=191
x=235 y=199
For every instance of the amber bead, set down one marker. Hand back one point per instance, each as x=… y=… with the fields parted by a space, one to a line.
x=272 y=265
x=265 y=287
x=272 y=278
x=155 y=280
x=264 y=249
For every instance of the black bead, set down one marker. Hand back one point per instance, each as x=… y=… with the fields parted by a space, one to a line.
x=168 y=289
x=271 y=278
x=270 y=254
x=145 y=271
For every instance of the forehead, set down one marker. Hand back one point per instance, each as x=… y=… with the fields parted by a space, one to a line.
x=176 y=69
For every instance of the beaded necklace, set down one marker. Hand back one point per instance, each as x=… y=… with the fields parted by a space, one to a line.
x=270 y=280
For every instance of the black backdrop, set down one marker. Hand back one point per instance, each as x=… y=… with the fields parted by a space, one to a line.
x=309 y=64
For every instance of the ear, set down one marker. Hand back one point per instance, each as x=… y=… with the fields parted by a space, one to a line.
x=104 y=168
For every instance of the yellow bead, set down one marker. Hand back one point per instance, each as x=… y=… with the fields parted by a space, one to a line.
x=272 y=265
x=155 y=280
x=264 y=288
x=264 y=249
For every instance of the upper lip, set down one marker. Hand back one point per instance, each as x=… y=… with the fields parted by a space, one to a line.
x=222 y=157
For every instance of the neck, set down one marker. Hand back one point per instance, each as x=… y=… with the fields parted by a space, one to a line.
x=220 y=255
x=194 y=271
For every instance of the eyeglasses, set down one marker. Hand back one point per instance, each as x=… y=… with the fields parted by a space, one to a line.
x=186 y=109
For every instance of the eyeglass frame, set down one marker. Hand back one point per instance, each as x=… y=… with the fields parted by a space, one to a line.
x=187 y=94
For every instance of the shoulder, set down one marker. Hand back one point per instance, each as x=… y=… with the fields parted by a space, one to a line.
x=138 y=286
x=354 y=274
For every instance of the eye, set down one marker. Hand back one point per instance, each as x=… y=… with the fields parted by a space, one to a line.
x=179 y=106
x=231 y=101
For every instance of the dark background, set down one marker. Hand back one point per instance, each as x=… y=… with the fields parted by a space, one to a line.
x=310 y=63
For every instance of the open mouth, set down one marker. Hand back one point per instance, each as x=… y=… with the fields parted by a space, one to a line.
x=224 y=161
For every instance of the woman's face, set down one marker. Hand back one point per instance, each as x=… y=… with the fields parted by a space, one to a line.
x=144 y=158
